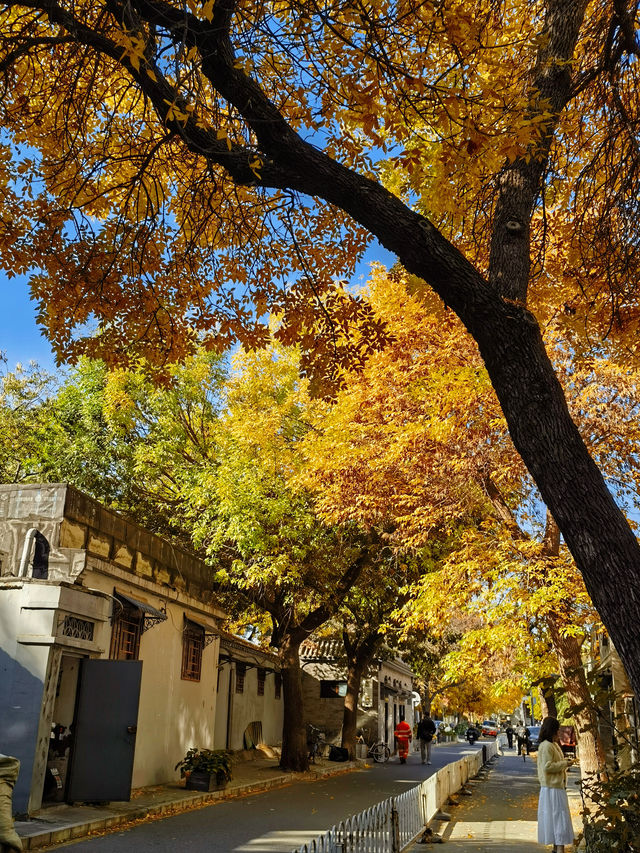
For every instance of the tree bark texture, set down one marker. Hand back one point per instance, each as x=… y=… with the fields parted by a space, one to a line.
x=567 y=650
x=295 y=753
x=350 y=715
x=360 y=651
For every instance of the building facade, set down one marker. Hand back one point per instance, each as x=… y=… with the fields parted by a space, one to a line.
x=386 y=693
x=619 y=718
x=250 y=706
x=109 y=649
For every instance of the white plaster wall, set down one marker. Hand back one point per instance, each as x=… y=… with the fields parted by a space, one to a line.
x=173 y=714
x=64 y=708
x=248 y=707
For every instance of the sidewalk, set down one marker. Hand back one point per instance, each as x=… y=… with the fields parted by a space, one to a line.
x=59 y=823
x=502 y=813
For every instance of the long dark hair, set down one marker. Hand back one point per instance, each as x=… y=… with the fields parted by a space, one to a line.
x=548 y=729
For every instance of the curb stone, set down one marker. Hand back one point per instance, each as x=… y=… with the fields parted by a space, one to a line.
x=186 y=801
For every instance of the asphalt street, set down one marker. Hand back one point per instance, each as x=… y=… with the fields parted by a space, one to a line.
x=277 y=821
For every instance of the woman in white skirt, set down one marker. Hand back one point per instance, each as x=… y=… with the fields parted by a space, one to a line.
x=554 y=820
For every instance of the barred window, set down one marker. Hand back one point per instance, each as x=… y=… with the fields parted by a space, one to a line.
x=241 y=669
x=278 y=684
x=262 y=674
x=192 y=648
x=125 y=633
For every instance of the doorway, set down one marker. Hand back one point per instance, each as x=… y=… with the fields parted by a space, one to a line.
x=61 y=736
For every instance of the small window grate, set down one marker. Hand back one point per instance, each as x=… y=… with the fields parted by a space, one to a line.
x=262 y=674
x=125 y=636
x=192 y=648
x=79 y=629
x=278 y=684
x=241 y=669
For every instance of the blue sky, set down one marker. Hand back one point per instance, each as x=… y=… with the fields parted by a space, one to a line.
x=20 y=338
x=22 y=341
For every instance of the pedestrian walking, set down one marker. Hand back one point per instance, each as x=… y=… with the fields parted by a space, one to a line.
x=554 y=819
x=522 y=736
x=426 y=731
x=509 y=734
x=402 y=735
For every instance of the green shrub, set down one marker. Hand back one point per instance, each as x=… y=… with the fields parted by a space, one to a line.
x=612 y=820
x=212 y=761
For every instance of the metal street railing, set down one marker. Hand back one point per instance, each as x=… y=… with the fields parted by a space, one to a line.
x=390 y=826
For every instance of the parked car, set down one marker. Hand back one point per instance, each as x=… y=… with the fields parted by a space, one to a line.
x=490 y=728
x=534 y=734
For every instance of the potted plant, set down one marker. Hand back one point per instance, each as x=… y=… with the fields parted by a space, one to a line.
x=205 y=769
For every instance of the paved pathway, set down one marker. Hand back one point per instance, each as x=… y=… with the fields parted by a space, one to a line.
x=502 y=813
x=276 y=821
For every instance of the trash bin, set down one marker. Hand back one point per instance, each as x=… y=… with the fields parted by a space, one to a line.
x=9 y=768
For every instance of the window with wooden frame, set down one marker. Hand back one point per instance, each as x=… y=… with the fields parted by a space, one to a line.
x=277 y=678
x=262 y=674
x=126 y=632
x=241 y=669
x=192 y=648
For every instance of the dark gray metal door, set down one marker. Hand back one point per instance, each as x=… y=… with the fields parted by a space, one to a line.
x=105 y=730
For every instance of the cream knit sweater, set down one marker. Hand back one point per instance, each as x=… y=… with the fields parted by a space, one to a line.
x=552 y=765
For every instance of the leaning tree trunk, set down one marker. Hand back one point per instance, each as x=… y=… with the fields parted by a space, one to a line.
x=295 y=754
x=590 y=748
x=532 y=400
x=508 y=335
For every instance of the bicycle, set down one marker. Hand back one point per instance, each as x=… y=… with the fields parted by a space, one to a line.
x=315 y=742
x=379 y=751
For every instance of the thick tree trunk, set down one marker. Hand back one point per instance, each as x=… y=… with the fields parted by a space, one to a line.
x=295 y=754
x=568 y=653
x=355 y=670
x=532 y=400
x=567 y=650
x=360 y=652
x=287 y=637
x=427 y=699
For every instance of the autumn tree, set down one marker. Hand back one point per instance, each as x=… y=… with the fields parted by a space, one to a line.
x=427 y=449
x=218 y=450
x=283 y=556
x=173 y=167
x=366 y=623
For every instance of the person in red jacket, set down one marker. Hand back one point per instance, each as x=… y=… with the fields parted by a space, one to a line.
x=402 y=735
